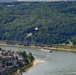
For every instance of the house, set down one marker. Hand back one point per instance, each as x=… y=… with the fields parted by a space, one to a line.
x=20 y=57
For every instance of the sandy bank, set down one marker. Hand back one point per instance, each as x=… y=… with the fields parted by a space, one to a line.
x=37 y=61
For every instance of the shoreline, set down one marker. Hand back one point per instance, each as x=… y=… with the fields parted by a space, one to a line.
x=55 y=49
x=25 y=68
x=62 y=49
x=45 y=47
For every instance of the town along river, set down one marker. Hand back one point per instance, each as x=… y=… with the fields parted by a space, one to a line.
x=56 y=63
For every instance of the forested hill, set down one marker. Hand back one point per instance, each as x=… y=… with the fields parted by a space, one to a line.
x=56 y=22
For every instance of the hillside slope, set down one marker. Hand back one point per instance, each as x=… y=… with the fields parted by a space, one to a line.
x=56 y=22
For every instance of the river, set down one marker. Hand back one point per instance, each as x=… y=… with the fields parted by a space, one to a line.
x=56 y=63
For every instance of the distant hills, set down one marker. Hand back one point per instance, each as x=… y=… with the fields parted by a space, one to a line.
x=38 y=22
x=33 y=0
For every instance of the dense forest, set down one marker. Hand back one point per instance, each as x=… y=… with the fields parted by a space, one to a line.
x=55 y=22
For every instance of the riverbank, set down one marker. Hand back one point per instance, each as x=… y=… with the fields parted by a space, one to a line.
x=55 y=48
x=58 y=48
x=23 y=69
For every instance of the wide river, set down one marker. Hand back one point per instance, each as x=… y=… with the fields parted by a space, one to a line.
x=56 y=63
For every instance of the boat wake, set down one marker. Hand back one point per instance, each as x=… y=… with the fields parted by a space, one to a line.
x=46 y=50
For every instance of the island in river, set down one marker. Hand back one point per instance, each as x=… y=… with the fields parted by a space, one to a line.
x=12 y=62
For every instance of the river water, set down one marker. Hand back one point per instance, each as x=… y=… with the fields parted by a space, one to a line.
x=56 y=63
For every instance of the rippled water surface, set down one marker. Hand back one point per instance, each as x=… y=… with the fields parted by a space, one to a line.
x=56 y=63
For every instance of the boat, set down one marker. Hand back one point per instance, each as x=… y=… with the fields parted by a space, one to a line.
x=46 y=50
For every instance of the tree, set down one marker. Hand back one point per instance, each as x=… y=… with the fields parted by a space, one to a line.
x=0 y=49
x=74 y=43
x=30 y=56
x=4 y=61
x=67 y=42
x=23 y=54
